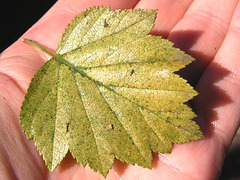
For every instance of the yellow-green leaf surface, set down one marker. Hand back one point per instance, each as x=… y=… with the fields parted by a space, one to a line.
x=110 y=92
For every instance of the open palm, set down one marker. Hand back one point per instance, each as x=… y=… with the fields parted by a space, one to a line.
x=208 y=30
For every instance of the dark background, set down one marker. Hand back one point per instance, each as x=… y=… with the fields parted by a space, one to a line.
x=18 y=16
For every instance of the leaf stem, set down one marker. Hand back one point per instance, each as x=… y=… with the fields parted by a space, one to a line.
x=33 y=43
x=56 y=56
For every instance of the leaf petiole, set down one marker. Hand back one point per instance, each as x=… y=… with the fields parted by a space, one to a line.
x=33 y=43
x=56 y=56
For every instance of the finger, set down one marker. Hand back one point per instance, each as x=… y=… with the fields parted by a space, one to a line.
x=17 y=156
x=169 y=13
x=220 y=84
x=201 y=32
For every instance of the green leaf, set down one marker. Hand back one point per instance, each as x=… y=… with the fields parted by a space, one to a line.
x=109 y=91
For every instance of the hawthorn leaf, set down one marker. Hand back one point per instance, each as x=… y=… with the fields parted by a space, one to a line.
x=109 y=92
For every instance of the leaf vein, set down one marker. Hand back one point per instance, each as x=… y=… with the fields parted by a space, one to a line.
x=109 y=35
x=149 y=90
x=95 y=140
x=159 y=136
x=93 y=24
x=122 y=125
x=54 y=138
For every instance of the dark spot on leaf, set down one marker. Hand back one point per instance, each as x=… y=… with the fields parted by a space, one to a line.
x=105 y=23
x=68 y=127
x=110 y=126
x=132 y=72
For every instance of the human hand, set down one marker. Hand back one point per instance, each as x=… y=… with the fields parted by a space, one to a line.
x=207 y=30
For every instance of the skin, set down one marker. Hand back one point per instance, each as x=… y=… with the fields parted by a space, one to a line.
x=207 y=30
